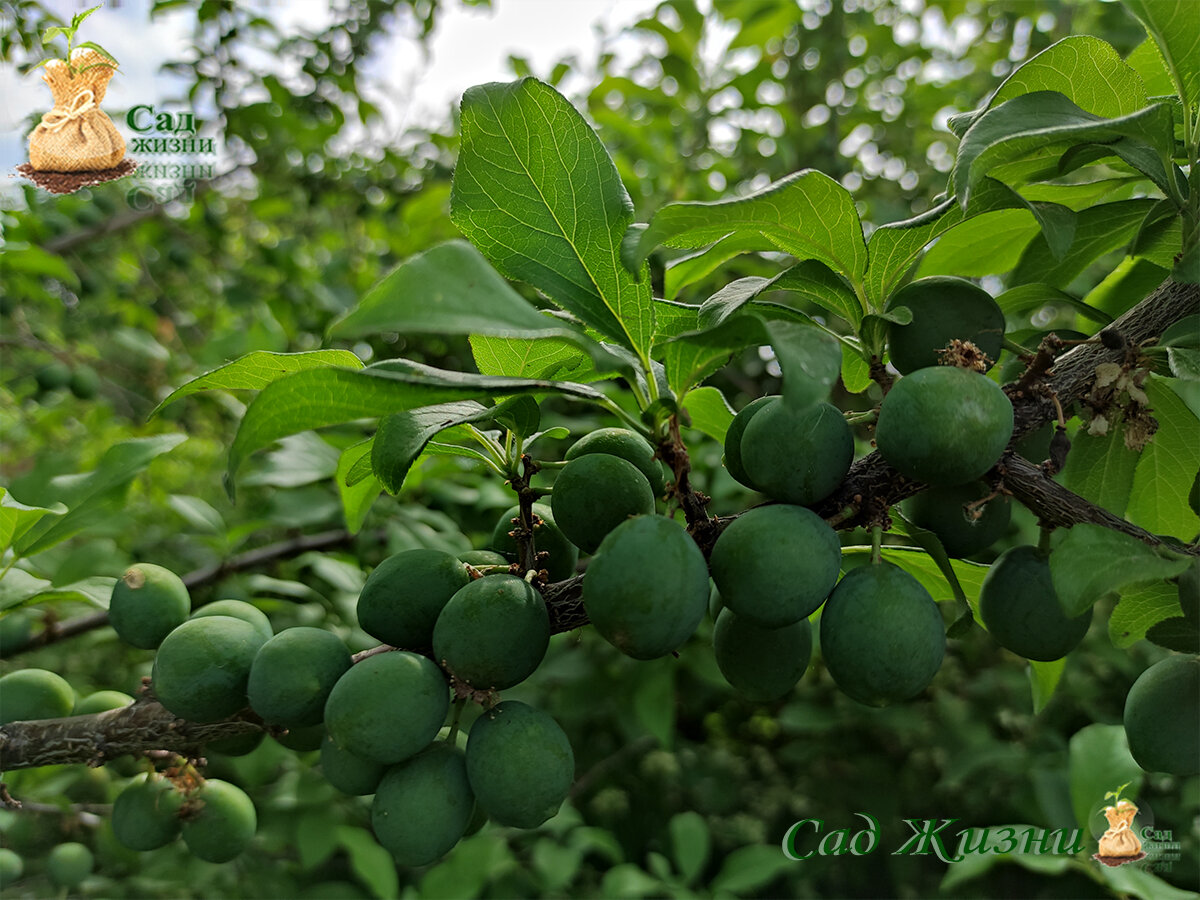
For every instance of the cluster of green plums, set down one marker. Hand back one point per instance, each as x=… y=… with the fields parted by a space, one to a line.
x=458 y=628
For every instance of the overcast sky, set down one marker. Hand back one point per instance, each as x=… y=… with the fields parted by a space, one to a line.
x=470 y=46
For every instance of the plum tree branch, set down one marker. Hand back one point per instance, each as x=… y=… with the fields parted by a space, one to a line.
x=868 y=490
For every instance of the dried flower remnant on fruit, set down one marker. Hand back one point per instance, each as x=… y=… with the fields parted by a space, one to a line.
x=1118 y=397
x=964 y=355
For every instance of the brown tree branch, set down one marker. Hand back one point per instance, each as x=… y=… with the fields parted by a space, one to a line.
x=97 y=738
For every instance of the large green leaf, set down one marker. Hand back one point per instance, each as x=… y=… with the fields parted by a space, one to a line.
x=1175 y=27
x=1045 y=123
x=256 y=370
x=1167 y=466
x=1086 y=70
x=93 y=495
x=1098 y=230
x=452 y=289
x=987 y=244
x=895 y=247
x=16 y=518
x=1043 y=681
x=321 y=397
x=807 y=214
x=1100 y=469
x=1092 y=561
x=923 y=567
x=536 y=192
x=357 y=493
x=1028 y=297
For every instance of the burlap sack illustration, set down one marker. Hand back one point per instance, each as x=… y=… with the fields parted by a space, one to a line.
x=1120 y=839
x=76 y=135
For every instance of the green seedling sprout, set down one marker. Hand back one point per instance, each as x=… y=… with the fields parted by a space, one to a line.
x=69 y=32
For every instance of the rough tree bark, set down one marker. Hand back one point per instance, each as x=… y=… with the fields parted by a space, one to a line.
x=868 y=490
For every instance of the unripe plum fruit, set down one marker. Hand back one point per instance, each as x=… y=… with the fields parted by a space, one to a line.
x=943 y=308
x=942 y=510
x=775 y=565
x=493 y=633
x=629 y=446
x=762 y=664
x=882 y=635
x=293 y=673
x=797 y=456
x=423 y=806
x=1020 y=608
x=595 y=493
x=201 y=669
x=647 y=588
x=520 y=764
x=944 y=426
x=148 y=603
x=1162 y=716
x=402 y=599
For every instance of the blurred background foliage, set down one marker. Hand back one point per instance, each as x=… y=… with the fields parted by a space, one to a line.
x=683 y=789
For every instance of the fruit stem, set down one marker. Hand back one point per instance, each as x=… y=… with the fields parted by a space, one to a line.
x=458 y=708
x=877 y=544
x=1044 y=539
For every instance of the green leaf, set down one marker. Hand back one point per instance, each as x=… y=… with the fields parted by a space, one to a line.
x=1169 y=23
x=1178 y=633
x=371 y=864
x=16 y=518
x=691 y=844
x=54 y=31
x=748 y=869
x=321 y=397
x=988 y=244
x=1043 y=680
x=932 y=545
x=1099 y=230
x=807 y=214
x=533 y=358
x=201 y=515
x=1147 y=61
x=554 y=220
x=1028 y=297
x=32 y=260
x=811 y=361
x=452 y=289
x=1184 y=363
x=856 y=373
x=687 y=270
x=1100 y=469
x=77 y=19
x=256 y=370
x=20 y=588
x=1132 y=881
x=315 y=840
x=1168 y=464
x=1092 y=561
x=1139 y=610
x=358 y=494
x=894 y=247
x=1099 y=762
x=1044 y=122
x=92 y=45
x=90 y=495
x=689 y=352
x=654 y=701
x=402 y=437
x=1086 y=70
x=627 y=880
x=810 y=280
x=709 y=411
